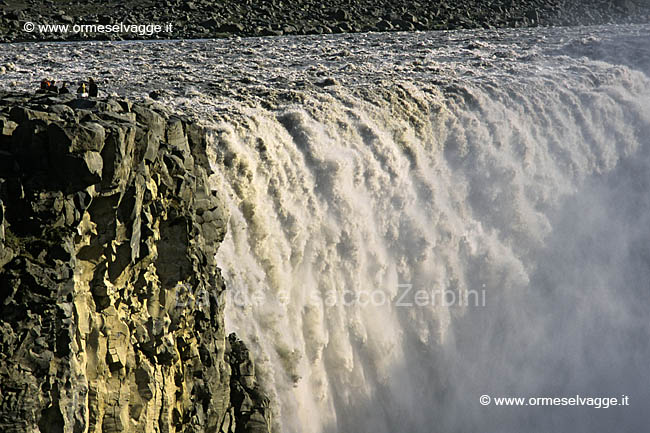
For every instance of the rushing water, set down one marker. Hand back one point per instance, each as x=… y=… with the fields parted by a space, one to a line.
x=419 y=219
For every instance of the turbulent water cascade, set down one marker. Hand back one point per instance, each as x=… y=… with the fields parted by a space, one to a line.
x=345 y=206
x=418 y=219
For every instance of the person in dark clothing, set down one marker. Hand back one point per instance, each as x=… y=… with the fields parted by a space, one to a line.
x=52 y=87
x=92 y=87
x=63 y=90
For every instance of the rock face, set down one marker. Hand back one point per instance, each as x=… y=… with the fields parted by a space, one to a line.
x=111 y=304
x=206 y=18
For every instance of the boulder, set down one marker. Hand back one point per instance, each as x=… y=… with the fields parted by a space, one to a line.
x=77 y=137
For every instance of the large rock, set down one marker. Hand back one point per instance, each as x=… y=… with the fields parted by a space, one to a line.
x=109 y=312
x=77 y=137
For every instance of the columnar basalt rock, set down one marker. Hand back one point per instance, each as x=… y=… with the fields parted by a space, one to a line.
x=111 y=303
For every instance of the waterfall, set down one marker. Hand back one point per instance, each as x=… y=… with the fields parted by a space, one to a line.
x=394 y=252
x=418 y=219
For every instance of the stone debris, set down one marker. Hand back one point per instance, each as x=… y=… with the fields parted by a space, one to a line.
x=209 y=19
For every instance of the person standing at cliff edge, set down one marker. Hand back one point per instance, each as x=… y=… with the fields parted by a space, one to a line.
x=82 y=91
x=92 y=87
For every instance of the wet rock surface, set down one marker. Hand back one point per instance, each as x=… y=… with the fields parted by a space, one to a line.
x=111 y=304
x=207 y=19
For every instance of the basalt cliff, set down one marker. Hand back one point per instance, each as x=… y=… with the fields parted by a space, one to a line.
x=111 y=303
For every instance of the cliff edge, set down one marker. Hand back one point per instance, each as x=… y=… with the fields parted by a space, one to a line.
x=111 y=303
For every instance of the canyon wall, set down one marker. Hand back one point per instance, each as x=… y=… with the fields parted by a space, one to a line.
x=111 y=303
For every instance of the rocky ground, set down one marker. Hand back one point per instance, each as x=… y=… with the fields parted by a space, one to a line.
x=111 y=314
x=208 y=19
